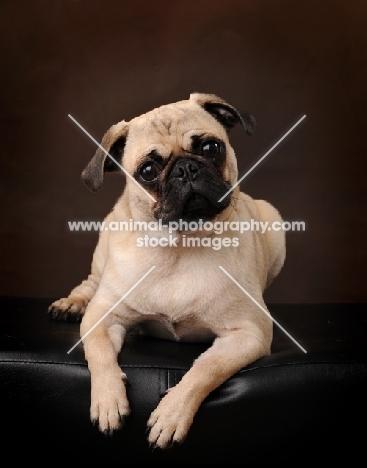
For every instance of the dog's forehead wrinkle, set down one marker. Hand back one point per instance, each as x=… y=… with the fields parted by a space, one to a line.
x=166 y=145
x=173 y=119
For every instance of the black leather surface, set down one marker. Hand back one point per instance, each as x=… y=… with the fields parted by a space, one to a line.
x=289 y=408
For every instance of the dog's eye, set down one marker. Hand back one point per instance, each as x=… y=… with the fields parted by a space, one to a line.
x=210 y=149
x=149 y=172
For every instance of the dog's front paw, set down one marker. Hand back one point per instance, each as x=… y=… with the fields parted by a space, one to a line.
x=109 y=405
x=170 y=422
x=68 y=310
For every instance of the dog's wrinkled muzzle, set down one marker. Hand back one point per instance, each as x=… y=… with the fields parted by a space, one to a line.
x=192 y=191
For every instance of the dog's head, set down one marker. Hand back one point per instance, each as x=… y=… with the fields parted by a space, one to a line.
x=179 y=154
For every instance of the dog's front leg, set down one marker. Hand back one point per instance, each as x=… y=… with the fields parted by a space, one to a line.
x=102 y=344
x=230 y=352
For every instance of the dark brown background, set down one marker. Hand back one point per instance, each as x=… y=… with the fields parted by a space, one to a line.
x=108 y=60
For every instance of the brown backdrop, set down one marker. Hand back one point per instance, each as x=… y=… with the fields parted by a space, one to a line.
x=106 y=60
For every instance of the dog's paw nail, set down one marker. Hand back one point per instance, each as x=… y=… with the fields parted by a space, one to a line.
x=163 y=394
x=126 y=381
x=66 y=316
x=152 y=446
x=123 y=419
x=54 y=313
x=106 y=433
x=94 y=422
x=171 y=443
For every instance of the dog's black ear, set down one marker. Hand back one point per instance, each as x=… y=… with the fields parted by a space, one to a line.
x=107 y=160
x=225 y=113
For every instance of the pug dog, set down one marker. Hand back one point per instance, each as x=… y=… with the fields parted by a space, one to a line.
x=180 y=168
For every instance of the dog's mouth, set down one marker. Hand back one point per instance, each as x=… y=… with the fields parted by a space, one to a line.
x=198 y=207
x=195 y=208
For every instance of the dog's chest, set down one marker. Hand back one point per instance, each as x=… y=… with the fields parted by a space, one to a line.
x=179 y=300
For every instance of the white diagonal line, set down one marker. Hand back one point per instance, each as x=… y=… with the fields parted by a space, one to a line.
x=261 y=159
x=262 y=308
x=111 y=309
x=113 y=159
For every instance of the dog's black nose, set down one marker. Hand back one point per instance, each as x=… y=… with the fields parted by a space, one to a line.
x=186 y=169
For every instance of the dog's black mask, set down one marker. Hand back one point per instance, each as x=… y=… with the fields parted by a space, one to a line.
x=190 y=191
